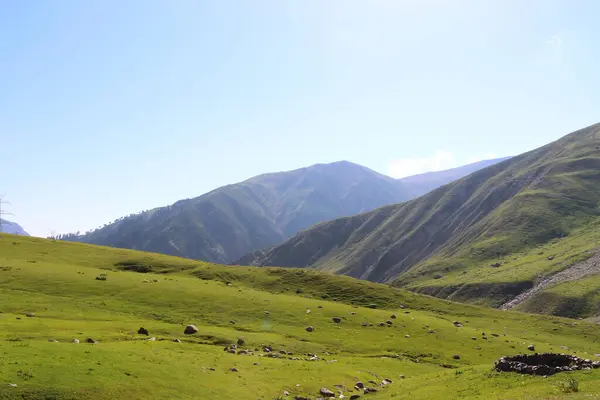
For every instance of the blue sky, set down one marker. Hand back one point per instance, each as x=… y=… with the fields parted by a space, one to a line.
x=112 y=107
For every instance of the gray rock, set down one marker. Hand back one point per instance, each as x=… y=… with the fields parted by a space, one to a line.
x=326 y=392
x=336 y=320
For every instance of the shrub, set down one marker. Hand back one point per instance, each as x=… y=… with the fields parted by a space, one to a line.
x=571 y=385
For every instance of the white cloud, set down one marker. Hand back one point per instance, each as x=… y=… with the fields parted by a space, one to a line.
x=403 y=167
x=439 y=161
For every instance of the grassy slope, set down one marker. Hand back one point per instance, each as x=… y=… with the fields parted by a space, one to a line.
x=469 y=277
x=55 y=280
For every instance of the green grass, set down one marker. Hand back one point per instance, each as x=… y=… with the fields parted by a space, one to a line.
x=56 y=282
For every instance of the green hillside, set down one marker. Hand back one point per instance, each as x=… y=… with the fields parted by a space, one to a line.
x=444 y=242
x=55 y=284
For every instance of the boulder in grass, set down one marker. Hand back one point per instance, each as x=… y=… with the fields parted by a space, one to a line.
x=190 y=330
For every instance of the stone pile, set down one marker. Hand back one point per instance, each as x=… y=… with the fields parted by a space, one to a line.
x=544 y=364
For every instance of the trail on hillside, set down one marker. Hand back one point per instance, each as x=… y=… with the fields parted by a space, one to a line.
x=590 y=266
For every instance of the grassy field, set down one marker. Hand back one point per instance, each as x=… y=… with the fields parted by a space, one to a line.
x=55 y=282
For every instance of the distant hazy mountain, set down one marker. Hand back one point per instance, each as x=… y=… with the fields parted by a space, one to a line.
x=424 y=183
x=232 y=221
x=12 y=228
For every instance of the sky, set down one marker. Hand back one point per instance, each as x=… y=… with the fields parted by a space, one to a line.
x=112 y=107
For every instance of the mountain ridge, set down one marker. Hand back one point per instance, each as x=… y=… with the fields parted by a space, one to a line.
x=229 y=222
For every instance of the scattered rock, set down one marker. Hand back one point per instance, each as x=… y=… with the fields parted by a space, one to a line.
x=336 y=320
x=12 y=384
x=531 y=347
x=495 y=265
x=75 y=341
x=456 y=357
x=319 y=306
x=176 y=341
x=393 y=316
x=550 y=258
x=90 y=340
x=232 y=322
x=359 y=385
x=386 y=381
x=101 y=278
x=456 y=324
x=152 y=339
x=382 y=324
x=241 y=342
x=286 y=393
x=354 y=397
x=30 y=315
x=401 y=376
x=190 y=330
x=364 y=323
x=369 y=390
x=233 y=370
x=143 y=331
x=326 y=392
x=53 y=341
x=407 y=336
x=389 y=322
x=310 y=329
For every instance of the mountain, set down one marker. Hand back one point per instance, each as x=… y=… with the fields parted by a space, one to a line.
x=232 y=221
x=424 y=183
x=12 y=228
x=475 y=239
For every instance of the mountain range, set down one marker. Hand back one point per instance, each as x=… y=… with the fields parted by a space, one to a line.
x=12 y=228
x=232 y=221
x=486 y=237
